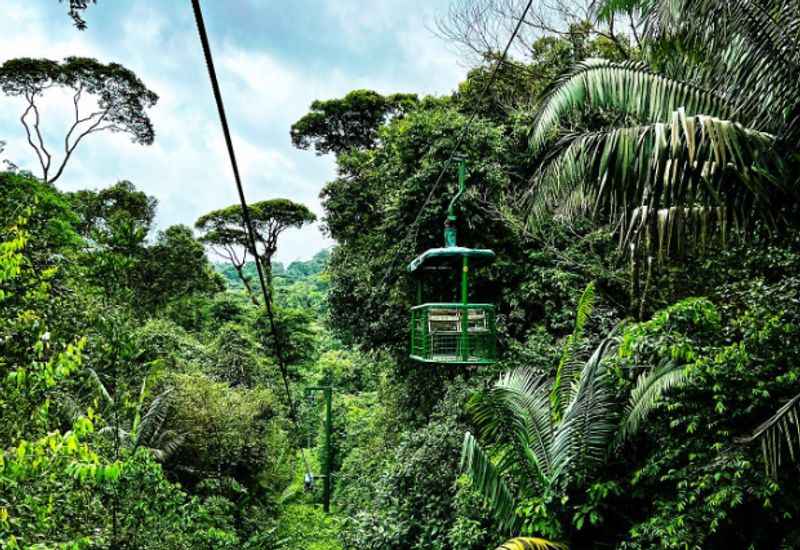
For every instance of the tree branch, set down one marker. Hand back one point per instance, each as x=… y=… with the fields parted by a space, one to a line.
x=232 y=256
x=30 y=139
x=41 y=140
x=71 y=149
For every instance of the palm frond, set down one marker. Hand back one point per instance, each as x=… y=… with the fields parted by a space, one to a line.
x=584 y=434
x=629 y=88
x=488 y=482
x=676 y=228
x=646 y=395
x=153 y=420
x=568 y=368
x=137 y=418
x=749 y=49
x=532 y=399
x=690 y=162
x=165 y=445
x=100 y=387
x=781 y=429
x=531 y=543
x=514 y=414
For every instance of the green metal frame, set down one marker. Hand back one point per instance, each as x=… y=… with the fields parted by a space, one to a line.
x=453 y=333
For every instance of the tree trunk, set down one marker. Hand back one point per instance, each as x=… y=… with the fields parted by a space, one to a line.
x=246 y=283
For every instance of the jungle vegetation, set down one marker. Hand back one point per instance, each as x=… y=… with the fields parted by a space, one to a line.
x=636 y=168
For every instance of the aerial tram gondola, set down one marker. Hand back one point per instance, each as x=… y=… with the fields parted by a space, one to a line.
x=458 y=333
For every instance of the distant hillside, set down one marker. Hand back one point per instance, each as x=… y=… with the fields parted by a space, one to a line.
x=303 y=284
x=296 y=270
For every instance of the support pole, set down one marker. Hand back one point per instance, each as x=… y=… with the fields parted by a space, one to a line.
x=450 y=231
x=326 y=495
x=464 y=310
x=327 y=392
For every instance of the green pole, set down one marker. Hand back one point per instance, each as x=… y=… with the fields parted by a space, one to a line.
x=450 y=231
x=327 y=392
x=464 y=310
x=326 y=495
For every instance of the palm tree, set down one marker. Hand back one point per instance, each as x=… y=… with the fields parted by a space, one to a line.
x=709 y=141
x=545 y=432
x=515 y=419
x=780 y=431
x=545 y=435
x=145 y=430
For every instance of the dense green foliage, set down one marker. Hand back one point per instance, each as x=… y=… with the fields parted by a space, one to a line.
x=641 y=198
x=140 y=406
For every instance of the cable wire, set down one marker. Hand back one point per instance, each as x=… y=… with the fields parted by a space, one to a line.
x=247 y=223
x=415 y=225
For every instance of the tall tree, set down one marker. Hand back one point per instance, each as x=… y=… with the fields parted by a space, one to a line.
x=114 y=223
x=707 y=133
x=101 y=212
x=176 y=267
x=120 y=103
x=224 y=232
x=352 y=122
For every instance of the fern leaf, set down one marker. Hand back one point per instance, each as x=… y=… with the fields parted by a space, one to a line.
x=488 y=483
x=568 y=368
x=646 y=395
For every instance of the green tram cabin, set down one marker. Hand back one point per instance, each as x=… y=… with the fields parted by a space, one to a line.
x=461 y=333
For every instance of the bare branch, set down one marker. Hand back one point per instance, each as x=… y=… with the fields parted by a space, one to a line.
x=41 y=140
x=70 y=149
x=75 y=100
x=480 y=27
x=30 y=139
x=230 y=253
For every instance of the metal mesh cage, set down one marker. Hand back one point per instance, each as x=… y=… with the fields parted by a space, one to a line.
x=453 y=333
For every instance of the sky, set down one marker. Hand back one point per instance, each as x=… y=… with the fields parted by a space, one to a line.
x=273 y=58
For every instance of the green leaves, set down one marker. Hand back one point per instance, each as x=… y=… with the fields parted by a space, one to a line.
x=527 y=439
x=710 y=146
x=563 y=386
x=350 y=123
x=646 y=394
x=748 y=51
